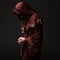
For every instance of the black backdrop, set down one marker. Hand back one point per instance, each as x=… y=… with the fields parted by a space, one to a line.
x=10 y=29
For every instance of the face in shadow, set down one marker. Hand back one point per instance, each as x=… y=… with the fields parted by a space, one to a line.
x=23 y=11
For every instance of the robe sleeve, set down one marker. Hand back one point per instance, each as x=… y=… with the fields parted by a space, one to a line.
x=35 y=38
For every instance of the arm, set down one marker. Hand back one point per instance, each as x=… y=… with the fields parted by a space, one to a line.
x=31 y=39
x=35 y=38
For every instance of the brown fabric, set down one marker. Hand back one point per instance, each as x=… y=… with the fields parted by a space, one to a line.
x=32 y=30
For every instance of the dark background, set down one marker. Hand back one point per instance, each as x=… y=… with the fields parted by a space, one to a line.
x=10 y=29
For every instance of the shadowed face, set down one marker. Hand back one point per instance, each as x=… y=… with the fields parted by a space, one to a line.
x=23 y=11
x=20 y=14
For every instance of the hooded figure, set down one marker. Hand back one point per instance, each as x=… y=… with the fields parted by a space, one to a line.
x=31 y=30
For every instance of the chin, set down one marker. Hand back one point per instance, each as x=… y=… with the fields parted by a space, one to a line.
x=21 y=19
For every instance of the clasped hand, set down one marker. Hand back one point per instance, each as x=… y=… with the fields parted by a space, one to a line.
x=21 y=40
